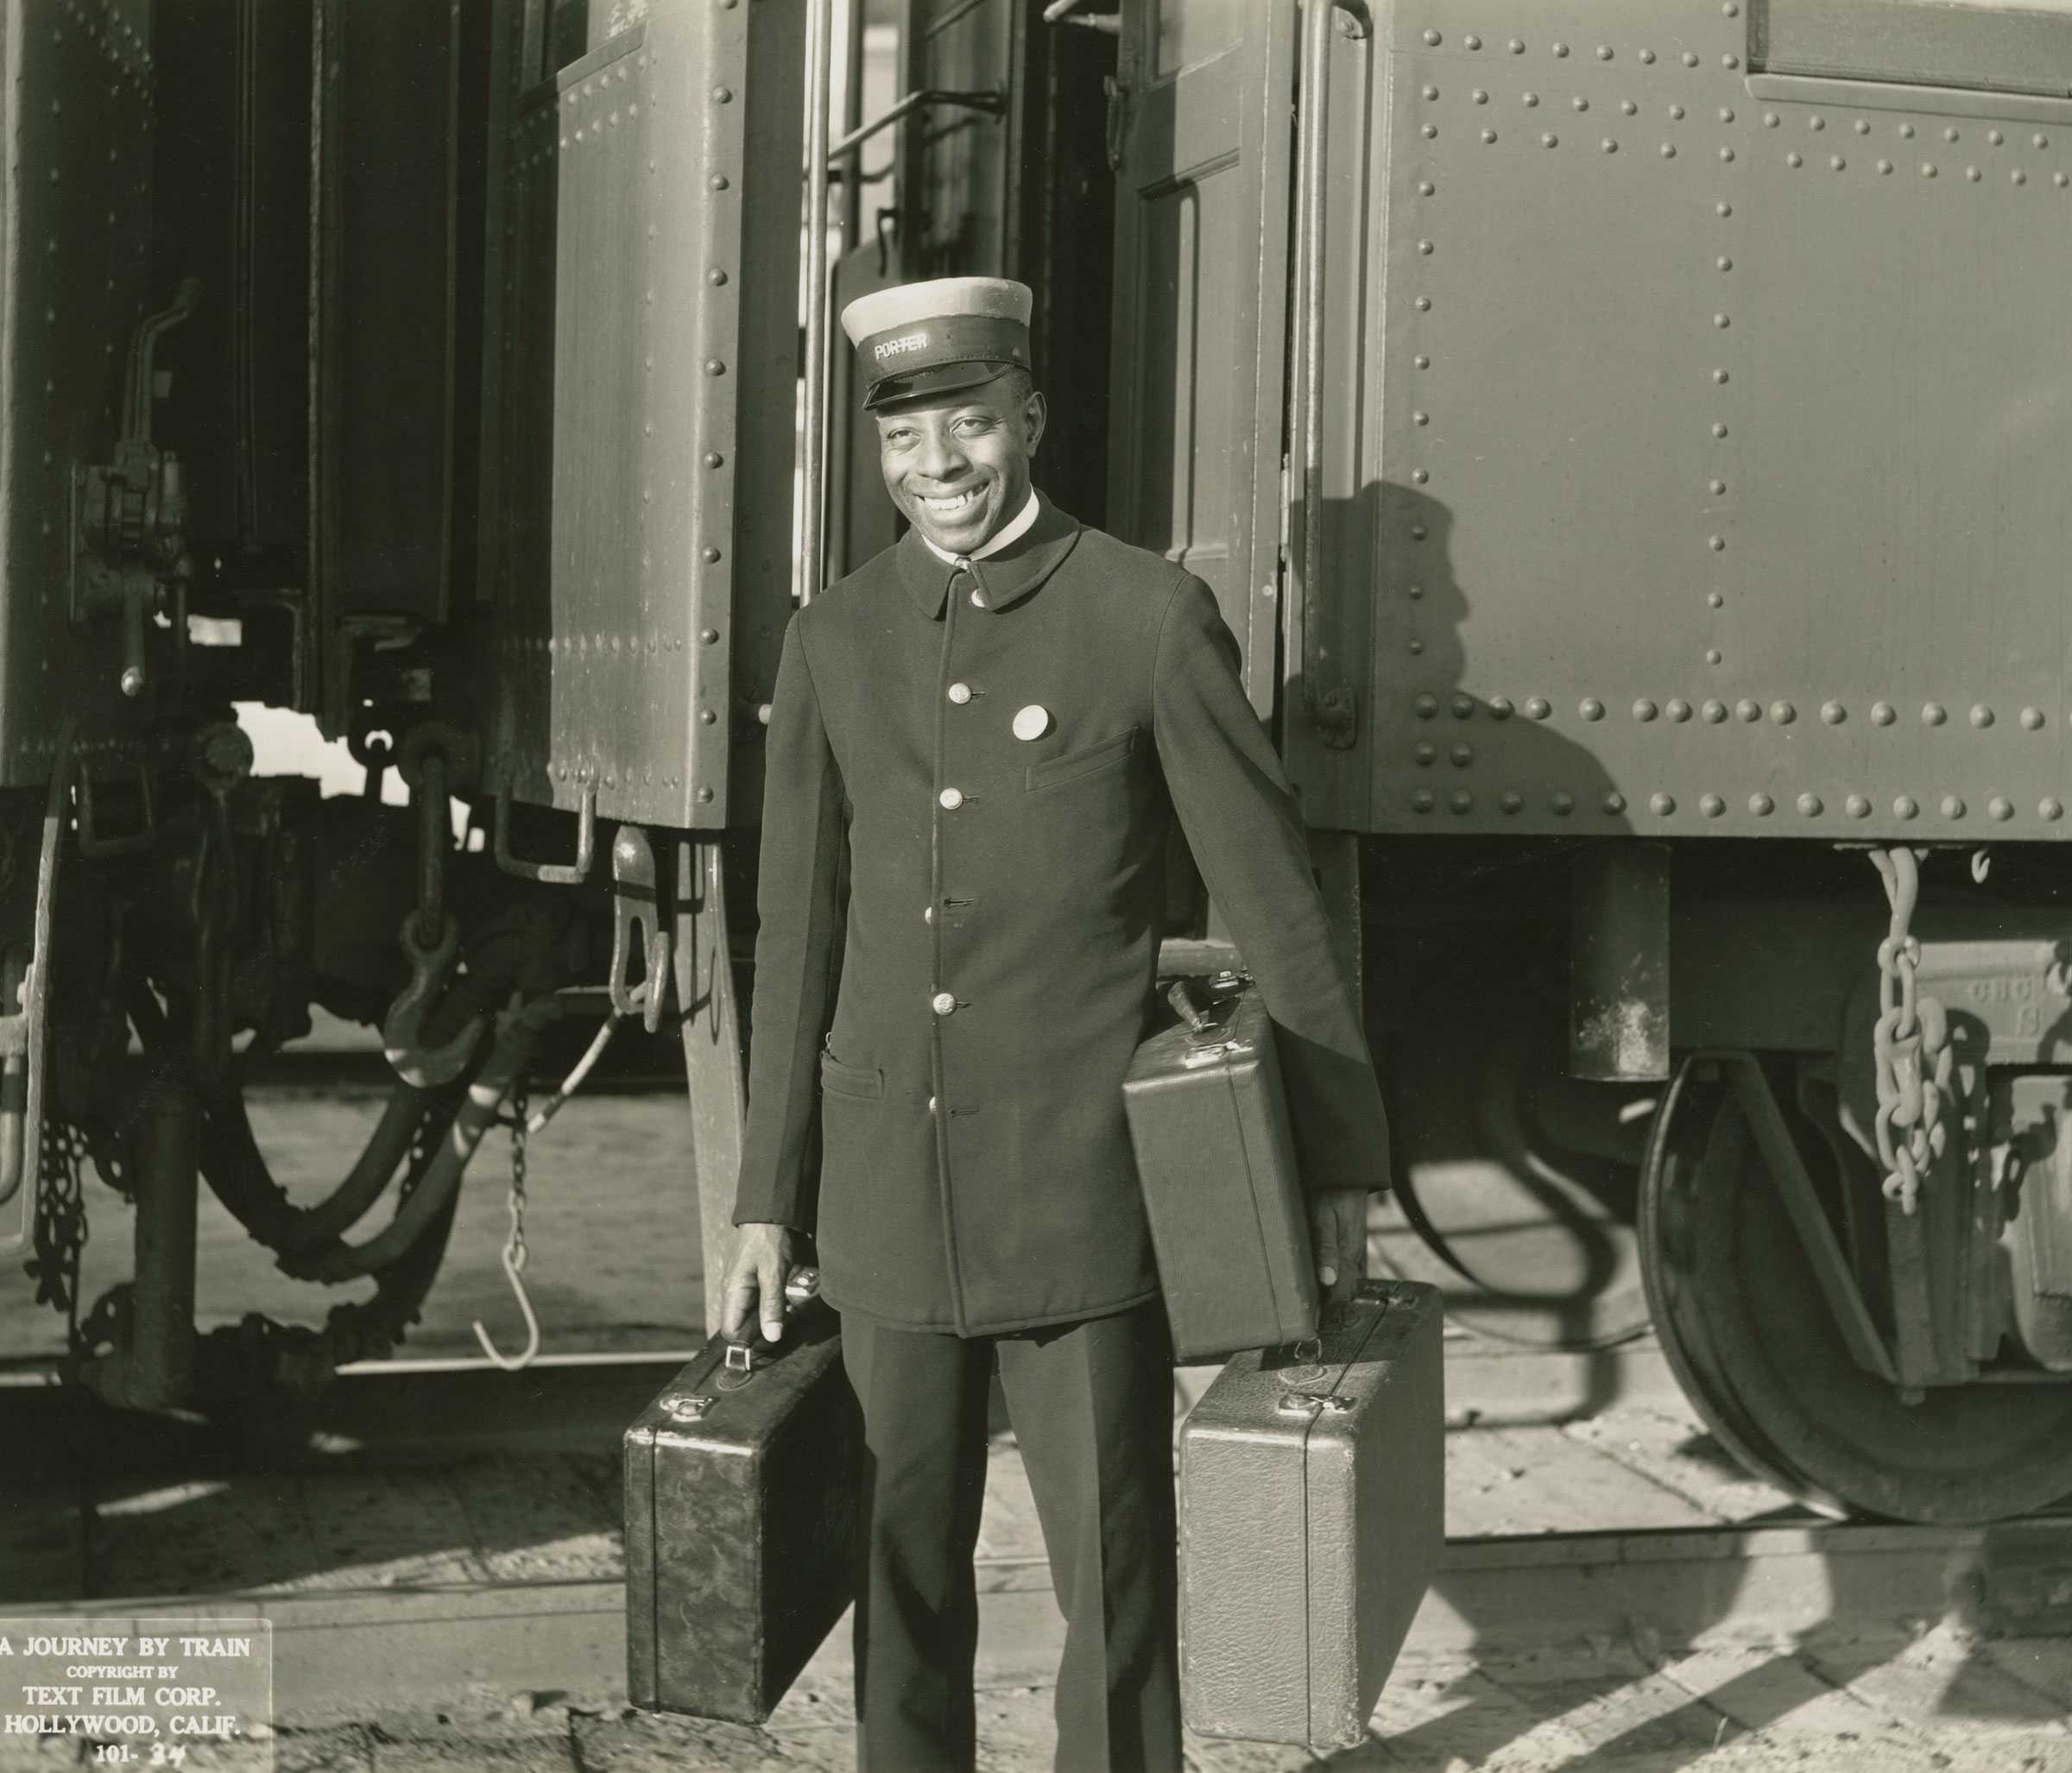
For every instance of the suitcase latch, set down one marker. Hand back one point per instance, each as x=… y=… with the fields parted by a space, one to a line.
x=685 y=1406
x=1314 y=1403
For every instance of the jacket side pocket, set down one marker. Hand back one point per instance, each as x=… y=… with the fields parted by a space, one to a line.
x=859 y=1081
x=1109 y=753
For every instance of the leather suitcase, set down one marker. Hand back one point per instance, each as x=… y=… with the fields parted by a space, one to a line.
x=1208 y=1122
x=741 y=1485
x=1312 y=1511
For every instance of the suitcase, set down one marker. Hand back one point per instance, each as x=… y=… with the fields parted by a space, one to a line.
x=1312 y=1510
x=1208 y=1122
x=741 y=1521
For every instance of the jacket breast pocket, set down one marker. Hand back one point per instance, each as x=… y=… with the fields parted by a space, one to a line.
x=864 y=1082
x=1109 y=755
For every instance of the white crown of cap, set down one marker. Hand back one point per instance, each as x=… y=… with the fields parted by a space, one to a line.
x=905 y=304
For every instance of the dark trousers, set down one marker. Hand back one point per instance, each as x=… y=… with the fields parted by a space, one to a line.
x=1092 y=1408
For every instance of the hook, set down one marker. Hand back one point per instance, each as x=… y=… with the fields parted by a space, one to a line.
x=513 y=1269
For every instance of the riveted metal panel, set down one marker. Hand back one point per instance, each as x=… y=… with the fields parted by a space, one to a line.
x=1200 y=302
x=75 y=247
x=648 y=371
x=1712 y=464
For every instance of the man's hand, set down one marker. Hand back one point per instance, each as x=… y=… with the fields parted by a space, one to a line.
x=758 y=1265
x=1338 y=1239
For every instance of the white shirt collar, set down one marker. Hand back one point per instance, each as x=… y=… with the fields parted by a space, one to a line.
x=1007 y=535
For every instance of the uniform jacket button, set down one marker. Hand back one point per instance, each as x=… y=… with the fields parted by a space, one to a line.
x=928 y=915
x=978 y=600
x=943 y=1002
x=931 y=1105
x=960 y=693
x=952 y=798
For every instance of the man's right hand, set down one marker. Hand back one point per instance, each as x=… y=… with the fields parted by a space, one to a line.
x=758 y=1265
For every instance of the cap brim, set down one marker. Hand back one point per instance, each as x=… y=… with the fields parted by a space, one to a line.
x=944 y=378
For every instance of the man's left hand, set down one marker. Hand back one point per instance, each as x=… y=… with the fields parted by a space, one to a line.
x=1338 y=1238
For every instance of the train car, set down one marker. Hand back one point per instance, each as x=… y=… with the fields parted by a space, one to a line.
x=1626 y=438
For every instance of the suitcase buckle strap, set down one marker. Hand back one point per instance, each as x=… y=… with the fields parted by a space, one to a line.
x=1313 y=1403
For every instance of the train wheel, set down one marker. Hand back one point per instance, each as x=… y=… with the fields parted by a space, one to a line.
x=1521 y=1175
x=1750 y=1336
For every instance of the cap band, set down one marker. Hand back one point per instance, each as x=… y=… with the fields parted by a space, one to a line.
x=901 y=360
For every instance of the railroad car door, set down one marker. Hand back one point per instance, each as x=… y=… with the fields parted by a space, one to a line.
x=640 y=372
x=1198 y=135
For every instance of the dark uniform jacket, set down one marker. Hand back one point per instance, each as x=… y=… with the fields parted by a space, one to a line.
x=991 y=904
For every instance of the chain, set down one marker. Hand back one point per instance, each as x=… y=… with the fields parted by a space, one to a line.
x=60 y=1231
x=515 y=1245
x=1911 y=1051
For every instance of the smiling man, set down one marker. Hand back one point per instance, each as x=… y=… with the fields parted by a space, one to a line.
x=978 y=744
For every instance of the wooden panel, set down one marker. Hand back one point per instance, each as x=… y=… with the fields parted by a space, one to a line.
x=1200 y=304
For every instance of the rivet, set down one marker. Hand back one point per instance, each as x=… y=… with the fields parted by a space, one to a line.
x=714 y=459
x=1561 y=49
x=1613 y=801
x=722 y=96
x=1513 y=800
x=1837 y=162
x=1463 y=707
x=2050 y=807
x=1432 y=39
x=1972 y=174
x=1882 y=714
x=1472 y=40
x=1726 y=154
x=1760 y=803
x=1644 y=710
x=1679 y=710
x=1430 y=132
x=708 y=635
x=1833 y=713
x=2032 y=718
x=706 y=716
x=1808 y=805
x=716 y=182
x=1952 y=807
x=1999 y=808
x=1604 y=52
x=1538 y=707
x=1647 y=57
x=1531 y=100
x=1934 y=713
x=1425 y=187
x=1590 y=708
x=1424 y=304
x=2060 y=179
x=1863 y=126
x=1951 y=133
x=1420 y=474
x=1906 y=132
x=1816 y=122
x=2039 y=141
x=712 y=555
x=1423 y=800
x=1424 y=247
x=1668 y=150
x=1627 y=108
x=1662 y=804
x=1690 y=58
x=2019 y=176
x=1461 y=801
x=1768 y=120
x=715 y=367
x=1717 y=542
x=1676 y=112
x=1424 y=752
x=1712 y=655
x=716 y=276
x=1417 y=647
x=1489 y=135
x=1982 y=715
x=1720 y=378
x=1783 y=713
x=704 y=795
x=1516 y=46
x=1416 y=591
x=1794 y=160
x=1725 y=115
x=1904 y=806
x=1550 y=140
x=1928 y=169
x=1720 y=321
x=1420 y=417
x=1431 y=92
x=1711 y=806
x=1499 y=708
x=1857 y=806
x=1609 y=145
x=1749 y=708
x=1716 y=487
x=1425 y=706
x=1421 y=361
x=1713 y=600
x=1884 y=165
x=1562 y=801
x=1719 y=430
x=1722 y=209
x=1416 y=532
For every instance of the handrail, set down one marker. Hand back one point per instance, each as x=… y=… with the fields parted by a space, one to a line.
x=1332 y=711
x=992 y=102
x=813 y=443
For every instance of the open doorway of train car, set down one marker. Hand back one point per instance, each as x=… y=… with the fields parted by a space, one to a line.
x=968 y=138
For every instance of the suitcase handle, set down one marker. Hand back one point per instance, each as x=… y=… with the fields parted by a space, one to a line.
x=739 y=1365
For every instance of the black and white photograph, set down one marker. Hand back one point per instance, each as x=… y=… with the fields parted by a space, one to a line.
x=1036 y=885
